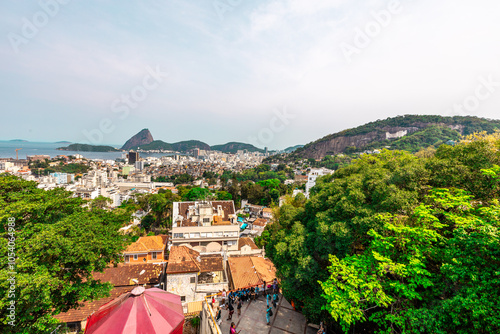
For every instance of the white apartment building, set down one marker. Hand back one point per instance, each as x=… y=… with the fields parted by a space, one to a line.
x=313 y=175
x=207 y=226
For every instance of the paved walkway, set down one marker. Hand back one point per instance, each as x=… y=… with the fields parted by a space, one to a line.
x=253 y=319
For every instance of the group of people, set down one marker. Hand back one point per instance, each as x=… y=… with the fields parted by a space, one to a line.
x=235 y=299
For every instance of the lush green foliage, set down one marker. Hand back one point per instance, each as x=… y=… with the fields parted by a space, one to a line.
x=59 y=242
x=401 y=242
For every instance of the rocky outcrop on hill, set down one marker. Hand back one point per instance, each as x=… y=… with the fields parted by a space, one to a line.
x=144 y=137
x=384 y=132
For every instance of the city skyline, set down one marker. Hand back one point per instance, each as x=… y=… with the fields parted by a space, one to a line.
x=268 y=73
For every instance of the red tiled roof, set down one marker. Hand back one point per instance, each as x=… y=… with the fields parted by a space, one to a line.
x=87 y=308
x=246 y=242
x=183 y=259
x=250 y=270
x=147 y=244
x=123 y=275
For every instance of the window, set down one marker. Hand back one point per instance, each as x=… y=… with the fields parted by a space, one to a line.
x=136 y=256
x=209 y=234
x=203 y=234
x=206 y=220
x=194 y=235
x=231 y=243
x=192 y=280
x=183 y=298
x=218 y=234
x=178 y=235
x=127 y=258
x=153 y=255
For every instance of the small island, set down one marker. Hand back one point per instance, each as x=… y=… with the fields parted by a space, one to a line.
x=88 y=148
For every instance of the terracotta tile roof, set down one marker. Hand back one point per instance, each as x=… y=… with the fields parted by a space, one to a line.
x=121 y=278
x=147 y=244
x=87 y=308
x=246 y=242
x=250 y=270
x=182 y=259
x=260 y=222
x=242 y=273
x=211 y=263
x=265 y=268
x=123 y=275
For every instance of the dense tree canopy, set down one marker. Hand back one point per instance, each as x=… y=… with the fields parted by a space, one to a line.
x=397 y=242
x=59 y=242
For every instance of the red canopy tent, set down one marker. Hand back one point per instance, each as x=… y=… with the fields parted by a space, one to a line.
x=141 y=311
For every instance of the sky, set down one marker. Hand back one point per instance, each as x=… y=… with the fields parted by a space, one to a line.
x=273 y=73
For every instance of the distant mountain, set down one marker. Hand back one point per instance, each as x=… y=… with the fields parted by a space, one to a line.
x=88 y=148
x=144 y=141
x=142 y=138
x=62 y=142
x=233 y=147
x=19 y=140
x=292 y=148
x=408 y=132
x=182 y=146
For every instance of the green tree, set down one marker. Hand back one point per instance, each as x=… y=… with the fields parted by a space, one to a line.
x=58 y=244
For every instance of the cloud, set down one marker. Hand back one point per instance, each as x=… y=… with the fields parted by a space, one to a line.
x=229 y=75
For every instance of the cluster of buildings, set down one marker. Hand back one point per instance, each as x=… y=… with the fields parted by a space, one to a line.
x=203 y=254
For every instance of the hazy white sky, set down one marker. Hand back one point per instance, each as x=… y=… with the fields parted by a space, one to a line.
x=272 y=73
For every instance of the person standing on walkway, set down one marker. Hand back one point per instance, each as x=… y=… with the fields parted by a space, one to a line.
x=269 y=314
x=218 y=316
x=268 y=299
x=233 y=329
x=231 y=311
x=275 y=285
x=275 y=299
x=239 y=307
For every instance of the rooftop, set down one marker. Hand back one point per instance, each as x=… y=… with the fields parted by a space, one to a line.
x=183 y=259
x=250 y=270
x=147 y=244
x=247 y=242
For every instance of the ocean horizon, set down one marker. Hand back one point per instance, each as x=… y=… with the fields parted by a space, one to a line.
x=8 y=150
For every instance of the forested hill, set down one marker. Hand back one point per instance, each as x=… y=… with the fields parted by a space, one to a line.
x=408 y=132
x=234 y=147
x=88 y=148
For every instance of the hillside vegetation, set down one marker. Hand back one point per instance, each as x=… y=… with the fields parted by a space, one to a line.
x=88 y=148
x=373 y=135
x=398 y=243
